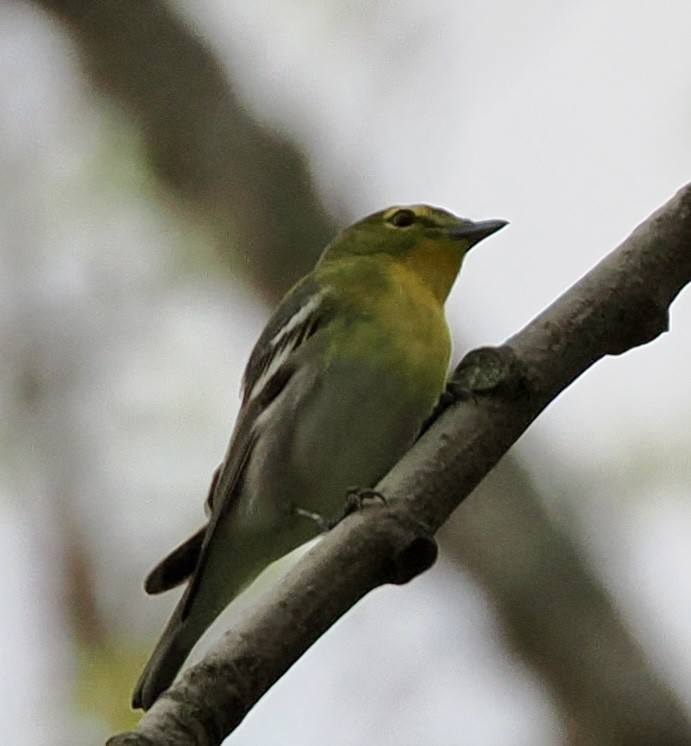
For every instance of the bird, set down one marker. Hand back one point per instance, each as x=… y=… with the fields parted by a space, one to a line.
x=336 y=390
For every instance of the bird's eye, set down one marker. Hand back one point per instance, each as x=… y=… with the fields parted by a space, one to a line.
x=403 y=218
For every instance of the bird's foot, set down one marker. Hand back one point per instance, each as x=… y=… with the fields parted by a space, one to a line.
x=453 y=392
x=356 y=497
x=483 y=372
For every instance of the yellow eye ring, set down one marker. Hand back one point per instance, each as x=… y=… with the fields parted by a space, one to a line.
x=402 y=218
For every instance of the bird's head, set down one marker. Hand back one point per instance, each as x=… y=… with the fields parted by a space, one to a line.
x=427 y=240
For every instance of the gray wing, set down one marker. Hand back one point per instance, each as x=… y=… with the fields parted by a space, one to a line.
x=302 y=314
x=268 y=371
x=302 y=311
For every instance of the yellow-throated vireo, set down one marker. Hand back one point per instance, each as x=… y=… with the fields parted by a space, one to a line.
x=336 y=389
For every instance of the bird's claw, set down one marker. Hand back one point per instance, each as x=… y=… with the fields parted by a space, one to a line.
x=356 y=497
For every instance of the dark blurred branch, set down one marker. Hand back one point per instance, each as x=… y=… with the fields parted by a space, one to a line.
x=44 y=399
x=558 y=617
x=249 y=187
x=620 y=304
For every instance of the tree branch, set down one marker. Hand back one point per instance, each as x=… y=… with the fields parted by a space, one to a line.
x=620 y=304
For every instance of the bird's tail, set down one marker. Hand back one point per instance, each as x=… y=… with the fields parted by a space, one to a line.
x=176 y=567
x=226 y=566
x=186 y=625
x=230 y=565
x=170 y=653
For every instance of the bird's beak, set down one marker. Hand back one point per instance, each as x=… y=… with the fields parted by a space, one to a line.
x=474 y=231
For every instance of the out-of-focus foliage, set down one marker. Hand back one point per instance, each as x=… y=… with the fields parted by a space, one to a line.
x=104 y=680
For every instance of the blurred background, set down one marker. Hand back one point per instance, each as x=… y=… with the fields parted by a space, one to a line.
x=166 y=172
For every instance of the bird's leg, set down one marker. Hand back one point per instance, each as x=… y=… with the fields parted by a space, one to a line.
x=355 y=500
x=485 y=371
x=323 y=523
x=452 y=393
